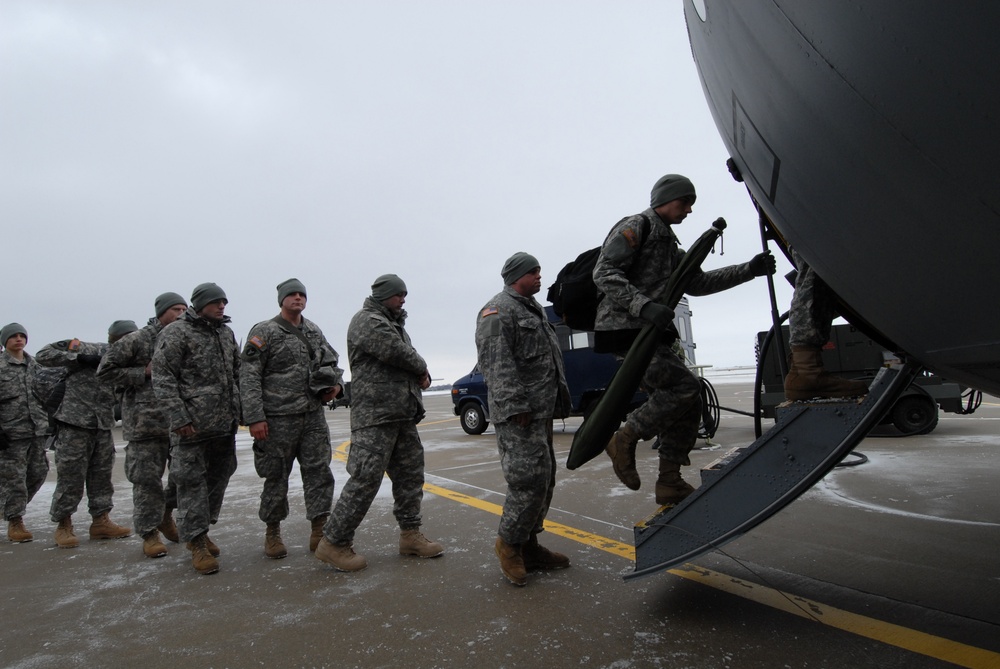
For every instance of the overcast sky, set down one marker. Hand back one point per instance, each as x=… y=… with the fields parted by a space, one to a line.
x=147 y=147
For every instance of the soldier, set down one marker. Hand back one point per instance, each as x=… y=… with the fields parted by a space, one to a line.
x=195 y=371
x=633 y=272
x=387 y=377
x=814 y=306
x=85 y=450
x=288 y=373
x=522 y=365
x=128 y=368
x=23 y=428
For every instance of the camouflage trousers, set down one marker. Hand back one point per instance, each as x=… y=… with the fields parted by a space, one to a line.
x=23 y=468
x=145 y=462
x=201 y=471
x=304 y=437
x=84 y=458
x=673 y=409
x=393 y=449
x=813 y=308
x=529 y=468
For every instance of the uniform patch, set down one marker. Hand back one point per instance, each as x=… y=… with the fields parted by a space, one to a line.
x=632 y=237
x=489 y=311
x=257 y=342
x=74 y=345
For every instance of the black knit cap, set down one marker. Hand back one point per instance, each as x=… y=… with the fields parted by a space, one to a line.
x=671 y=187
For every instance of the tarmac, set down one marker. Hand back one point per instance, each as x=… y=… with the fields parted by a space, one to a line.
x=890 y=563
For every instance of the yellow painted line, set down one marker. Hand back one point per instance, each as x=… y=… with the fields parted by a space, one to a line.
x=959 y=654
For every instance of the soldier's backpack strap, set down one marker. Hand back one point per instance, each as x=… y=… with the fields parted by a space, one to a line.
x=285 y=325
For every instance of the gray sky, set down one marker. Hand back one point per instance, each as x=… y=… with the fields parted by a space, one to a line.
x=147 y=147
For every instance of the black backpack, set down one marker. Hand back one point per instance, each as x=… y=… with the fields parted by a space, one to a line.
x=574 y=295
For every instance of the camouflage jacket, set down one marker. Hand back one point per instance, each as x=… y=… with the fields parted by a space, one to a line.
x=385 y=368
x=124 y=367
x=632 y=271
x=21 y=414
x=280 y=375
x=196 y=368
x=520 y=358
x=89 y=402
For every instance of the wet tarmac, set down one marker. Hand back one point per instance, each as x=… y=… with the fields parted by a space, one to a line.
x=892 y=563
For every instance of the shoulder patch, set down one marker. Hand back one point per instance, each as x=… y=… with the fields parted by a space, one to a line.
x=632 y=237
x=257 y=342
x=489 y=311
x=73 y=345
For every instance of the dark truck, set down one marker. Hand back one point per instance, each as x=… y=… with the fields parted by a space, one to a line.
x=587 y=373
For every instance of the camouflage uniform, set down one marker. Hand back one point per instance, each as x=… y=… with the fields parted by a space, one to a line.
x=813 y=307
x=386 y=405
x=195 y=370
x=633 y=269
x=85 y=451
x=522 y=365
x=23 y=425
x=281 y=381
x=144 y=426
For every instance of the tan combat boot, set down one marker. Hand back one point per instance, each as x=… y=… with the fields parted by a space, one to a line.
x=203 y=561
x=274 y=547
x=413 y=542
x=343 y=558
x=104 y=528
x=511 y=562
x=169 y=527
x=537 y=557
x=213 y=550
x=64 y=534
x=152 y=547
x=16 y=531
x=621 y=450
x=670 y=487
x=807 y=379
x=317 y=531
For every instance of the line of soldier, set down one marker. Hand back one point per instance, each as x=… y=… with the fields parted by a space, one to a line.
x=184 y=388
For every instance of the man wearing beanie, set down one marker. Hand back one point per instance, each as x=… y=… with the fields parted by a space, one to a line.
x=387 y=377
x=85 y=450
x=128 y=368
x=196 y=368
x=522 y=365
x=23 y=428
x=288 y=373
x=632 y=272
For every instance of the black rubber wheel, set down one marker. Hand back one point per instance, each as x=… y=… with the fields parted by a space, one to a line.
x=473 y=419
x=915 y=414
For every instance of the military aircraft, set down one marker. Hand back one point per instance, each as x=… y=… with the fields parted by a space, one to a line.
x=865 y=134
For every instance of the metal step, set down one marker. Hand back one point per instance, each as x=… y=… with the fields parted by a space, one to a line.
x=748 y=485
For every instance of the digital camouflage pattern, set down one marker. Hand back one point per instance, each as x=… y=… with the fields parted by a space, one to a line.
x=89 y=401
x=279 y=375
x=195 y=372
x=143 y=424
x=522 y=364
x=21 y=415
x=23 y=468
x=84 y=457
x=386 y=405
x=814 y=306
x=630 y=272
x=23 y=426
x=385 y=368
x=281 y=381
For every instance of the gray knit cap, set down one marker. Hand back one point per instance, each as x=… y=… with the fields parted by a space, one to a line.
x=386 y=286
x=167 y=300
x=10 y=330
x=122 y=328
x=289 y=286
x=671 y=187
x=206 y=293
x=517 y=266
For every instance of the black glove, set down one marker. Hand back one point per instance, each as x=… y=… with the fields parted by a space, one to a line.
x=762 y=264
x=659 y=315
x=4 y=442
x=88 y=360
